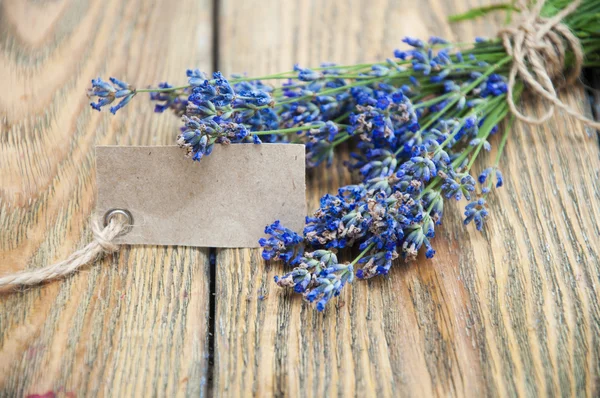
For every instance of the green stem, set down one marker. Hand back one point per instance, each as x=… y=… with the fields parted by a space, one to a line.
x=160 y=90
x=341 y=139
x=290 y=130
x=362 y=254
x=503 y=141
x=282 y=75
x=434 y=100
x=480 y=108
x=430 y=187
x=477 y=150
x=494 y=118
x=466 y=90
x=500 y=150
x=481 y=11
x=283 y=131
x=327 y=92
x=341 y=117
x=455 y=163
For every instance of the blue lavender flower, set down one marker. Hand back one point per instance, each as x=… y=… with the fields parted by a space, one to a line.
x=282 y=244
x=382 y=115
x=375 y=163
x=318 y=276
x=252 y=107
x=194 y=139
x=262 y=120
x=301 y=111
x=434 y=40
x=494 y=85
x=477 y=141
x=319 y=142
x=251 y=94
x=299 y=278
x=322 y=228
x=418 y=168
x=375 y=264
x=425 y=60
x=413 y=42
x=484 y=175
x=476 y=211
x=307 y=75
x=198 y=135
x=195 y=77
x=170 y=100
x=499 y=179
x=108 y=93
x=217 y=91
x=379 y=71
x=229 y=114
x=329 y=284
x=327 y=287
x=309 y=105
x=433 y=200
x=456 y=185
x=387 y=218
x=417 y=236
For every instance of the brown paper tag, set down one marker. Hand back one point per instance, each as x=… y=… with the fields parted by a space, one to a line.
x=225 y=200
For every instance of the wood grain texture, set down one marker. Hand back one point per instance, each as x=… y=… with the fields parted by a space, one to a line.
x=135 y=323
x=512 y=311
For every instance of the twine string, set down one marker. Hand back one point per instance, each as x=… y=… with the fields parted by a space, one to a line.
x=538 y=46
x=103 y=243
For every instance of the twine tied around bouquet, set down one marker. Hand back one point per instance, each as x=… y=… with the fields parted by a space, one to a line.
x=538 y=46
x=116 y=222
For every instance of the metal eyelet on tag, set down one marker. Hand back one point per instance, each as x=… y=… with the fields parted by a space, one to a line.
x=110 y=214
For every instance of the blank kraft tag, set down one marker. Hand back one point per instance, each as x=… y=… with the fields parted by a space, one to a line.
x=225 y=200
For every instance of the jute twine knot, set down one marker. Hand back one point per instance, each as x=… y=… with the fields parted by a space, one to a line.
x=104 y=237
x=538 y=46
x=103 y=243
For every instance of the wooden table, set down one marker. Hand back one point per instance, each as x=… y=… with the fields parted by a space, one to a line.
x=510 y=311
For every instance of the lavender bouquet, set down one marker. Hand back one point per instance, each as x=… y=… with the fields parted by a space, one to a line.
x=417 y=123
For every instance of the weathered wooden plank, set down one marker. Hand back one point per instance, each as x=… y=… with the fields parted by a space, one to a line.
x=510 y=311
x=135 y=323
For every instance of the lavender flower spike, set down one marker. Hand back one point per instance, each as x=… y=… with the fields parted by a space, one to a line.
x=107 y=93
